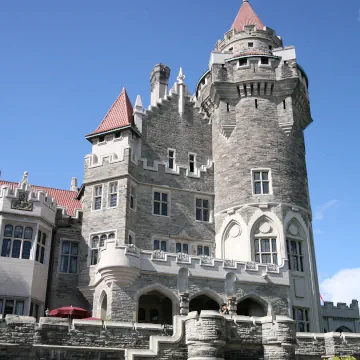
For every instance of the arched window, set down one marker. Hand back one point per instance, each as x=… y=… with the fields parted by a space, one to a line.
x=294 y=246
x=343 y=329
x=18 y=233
x=104 y=307
x=94 y=250
x=8 y=231
x=111 y=236
x=102 y=240
x=251 y=307
x=163 y=246
x=265 y=247
x=28 y=234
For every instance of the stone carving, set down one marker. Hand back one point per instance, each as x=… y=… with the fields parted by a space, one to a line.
x=272 y=267
x=158 y=254
x=293 y=230
x=182 y=257
x=131 y=248
x=22 y=203
x=234 y=231
x=207 y=260
x=229 y=263
x=265 y=228
x=251 y=265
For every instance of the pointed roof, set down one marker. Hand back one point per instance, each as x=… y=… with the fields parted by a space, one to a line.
x=119 y=115
x=246 y=16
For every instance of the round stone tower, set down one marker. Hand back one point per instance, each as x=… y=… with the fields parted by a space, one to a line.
x=256 y=97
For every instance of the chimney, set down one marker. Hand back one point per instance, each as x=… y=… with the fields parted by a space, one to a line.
x=73 y=186
x=159 y=80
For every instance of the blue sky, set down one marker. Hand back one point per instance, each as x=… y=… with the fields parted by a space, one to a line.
x=63 y=63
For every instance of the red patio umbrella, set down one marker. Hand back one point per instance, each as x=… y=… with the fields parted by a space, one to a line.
x=71 y=312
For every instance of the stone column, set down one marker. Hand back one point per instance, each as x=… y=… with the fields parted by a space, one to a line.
x=205 y=335
x=184 y=303
x=279 y=338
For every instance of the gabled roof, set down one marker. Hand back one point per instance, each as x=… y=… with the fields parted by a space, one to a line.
x=246 y=16
x=64 y=198
x=119 y=115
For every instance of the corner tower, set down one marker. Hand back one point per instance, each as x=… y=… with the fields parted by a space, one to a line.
x=256 y=96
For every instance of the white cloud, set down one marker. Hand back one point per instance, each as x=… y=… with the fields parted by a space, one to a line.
x=341 y=287
x=321 y=210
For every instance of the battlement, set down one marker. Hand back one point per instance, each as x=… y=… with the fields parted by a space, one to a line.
x=208 y=334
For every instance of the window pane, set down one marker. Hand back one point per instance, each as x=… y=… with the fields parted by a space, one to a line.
x=64 y=262
x=171 y=163
x=306 y=315
x=37 y=255
x=164 y=209
x=293 y=247
x=300 y=249
x=42 y=256
x=265 y=176
x=130 y=240
x=102 y=240
x=178 y=248
x=28 y=233
x=257 y=258
x=18 y=233
x=157 y=196
x=275 y=259
x=206 y=204
x=26 y=250
x=95 y=242
x=205 y=215
x=257 y=188
x=65 y=247
x=299 y=314
x=301 y=264
x=156 y=208
x=266 y=188
x=301 y=327
x=9 y=307
x=164 y=197
x=19 y=308
x=74 y=248
x=98 y=203
x=1 y=306
x=113 y=200
x=6 y=245
x=198 y=203
x=257 y=245
x=163 y=246
x=185 y=248
x=198 y=214
x=156 y=245
x=94 y=256
x=206 y=251
x=256 y=176
x=44 y=239
x=8 y=231
x=273 y=244
x=199 y=250
x=16 y=249
x=265 y=245
x=112 y=236
x=266 y=259
x=73 y=264
x=294 y=263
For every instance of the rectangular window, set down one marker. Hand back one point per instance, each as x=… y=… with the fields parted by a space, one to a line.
x=203 y=250
x=295 y=255
x=40 y=247
x=192 y=159
x=97 y=197
x=301 y=316
x=266 y=251
x=6 y=246
x=160 y=245
x=161 y=201
x=132 y=202
x=171 y=159
x=69 y=257
x=202 y=209
x=182 y=248
x=264 y=61
x=14 y=244
x=243 y=62
x=113 y=193
x=11 y=306
x=250 y=44
x=261 y=182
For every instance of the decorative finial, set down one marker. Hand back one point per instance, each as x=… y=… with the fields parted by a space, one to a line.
x=181 y=77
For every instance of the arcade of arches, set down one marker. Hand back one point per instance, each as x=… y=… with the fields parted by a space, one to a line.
x=155 y=308
x=203 y=302
x=250 y=307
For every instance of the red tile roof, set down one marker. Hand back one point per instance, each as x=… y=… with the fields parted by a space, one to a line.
x=246 y=16
x=64 y=198
x=119 y=115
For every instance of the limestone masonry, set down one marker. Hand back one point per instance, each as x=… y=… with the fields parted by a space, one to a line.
x=197 y=201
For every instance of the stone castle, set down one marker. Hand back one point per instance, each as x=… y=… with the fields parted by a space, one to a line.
x=165 y=229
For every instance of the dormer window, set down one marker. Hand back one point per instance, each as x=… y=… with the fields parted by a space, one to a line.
x=171 y=158
x=117 y=135
x=243 y=62
x=250 y=44
x=264 y=61
x=101 y=139
x=270 y=47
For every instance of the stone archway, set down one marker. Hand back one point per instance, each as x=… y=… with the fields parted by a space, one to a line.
x=251 y=307
x=203 y=302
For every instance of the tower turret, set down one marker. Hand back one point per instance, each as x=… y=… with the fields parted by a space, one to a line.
x=159 y=80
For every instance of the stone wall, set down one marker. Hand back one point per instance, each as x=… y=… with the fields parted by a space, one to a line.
x=208 y=335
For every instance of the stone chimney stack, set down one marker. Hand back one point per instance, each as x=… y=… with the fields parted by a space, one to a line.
x=73 y=185
x=159 y=80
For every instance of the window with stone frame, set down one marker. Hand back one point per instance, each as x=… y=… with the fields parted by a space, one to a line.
x=295 y=255
x=161 y=203
x=202 y=209
x=160 y=245
x=10 y=306
x=265 y=250
x=113 y=194
x=301 y=317
x=203 y=250
x=261 y=182
x=69 y=257
x=132 y=197
x=171 y=158
x=40 y=247
x=97 y=242
x=182 y=248
x=17 y=241
x=192 y=163
x=97 y=202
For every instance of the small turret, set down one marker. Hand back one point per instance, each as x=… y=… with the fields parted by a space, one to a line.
x=73 y=185
x=159 y=80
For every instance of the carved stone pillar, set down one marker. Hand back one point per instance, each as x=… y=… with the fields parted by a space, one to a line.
x=184 y=304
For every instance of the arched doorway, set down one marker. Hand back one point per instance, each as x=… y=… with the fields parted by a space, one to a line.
x=203 y=302
x=103 y=310
x=343 y=329
x=250 y=307
x=155 y=308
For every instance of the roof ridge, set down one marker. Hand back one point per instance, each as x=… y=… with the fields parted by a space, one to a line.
x=247 y=16
x=38 y=186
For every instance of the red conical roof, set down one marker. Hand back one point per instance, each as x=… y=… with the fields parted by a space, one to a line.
x=246 y=16
x=119 y=115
